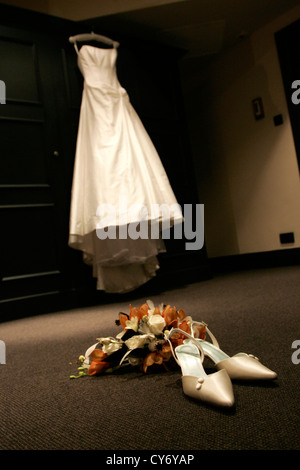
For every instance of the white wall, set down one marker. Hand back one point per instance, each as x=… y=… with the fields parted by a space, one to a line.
x=247 y=171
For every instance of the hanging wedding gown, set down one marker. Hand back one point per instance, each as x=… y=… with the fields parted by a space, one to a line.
x=117 y=171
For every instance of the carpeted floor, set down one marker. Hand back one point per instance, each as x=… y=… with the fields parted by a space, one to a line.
x=41 y=408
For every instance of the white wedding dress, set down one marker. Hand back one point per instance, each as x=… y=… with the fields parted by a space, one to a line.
x=116 y=166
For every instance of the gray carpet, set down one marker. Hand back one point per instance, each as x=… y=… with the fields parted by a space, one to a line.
x=254 y=311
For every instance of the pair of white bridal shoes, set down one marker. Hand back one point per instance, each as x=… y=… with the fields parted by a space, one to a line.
x=216 y=388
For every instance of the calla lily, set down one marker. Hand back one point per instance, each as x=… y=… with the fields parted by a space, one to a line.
x=132 y=324
x=139 y=341
x=110 y=345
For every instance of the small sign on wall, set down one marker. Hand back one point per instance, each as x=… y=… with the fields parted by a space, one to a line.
x=258 y=108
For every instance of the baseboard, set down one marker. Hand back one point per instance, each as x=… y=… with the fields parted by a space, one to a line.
x=266 y=259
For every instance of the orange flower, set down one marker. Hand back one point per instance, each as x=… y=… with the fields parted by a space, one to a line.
x=170 y=315
x=98 y=365
x=166 y=352
x=177 y=338
x=143 y=310
x=134 y=313
x=123 y=319
x=157 y=357
x=185 y=327
x=201 y=332
x=156 y=311
x=181 y=314
x=138 y=312
x=152 y=358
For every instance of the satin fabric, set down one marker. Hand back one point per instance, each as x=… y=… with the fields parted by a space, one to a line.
x=116 y=165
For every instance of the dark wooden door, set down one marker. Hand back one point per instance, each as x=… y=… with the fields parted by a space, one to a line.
x=35 y=152
x=287 y=41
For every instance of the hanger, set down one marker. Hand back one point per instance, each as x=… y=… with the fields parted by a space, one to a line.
x=92 y=37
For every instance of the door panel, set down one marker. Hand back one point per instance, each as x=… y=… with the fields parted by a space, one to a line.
x=30 y=254
x=18 y=69
x=29 y=229
x=22 y=148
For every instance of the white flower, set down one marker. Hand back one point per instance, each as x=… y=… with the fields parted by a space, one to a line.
x=110 y=345
x=106 y=340
x=139 y=341
x=111 y=348
x=132 y=324
x=156 y=324
x=152 y=307
x=143 y=326
x=150 y=304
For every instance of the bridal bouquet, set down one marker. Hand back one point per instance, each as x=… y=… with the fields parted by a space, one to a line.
x=142 y=341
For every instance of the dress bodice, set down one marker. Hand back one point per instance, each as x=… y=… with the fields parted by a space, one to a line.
x=98 y=66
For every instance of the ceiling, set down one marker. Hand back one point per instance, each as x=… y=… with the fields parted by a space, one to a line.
x=201 y=27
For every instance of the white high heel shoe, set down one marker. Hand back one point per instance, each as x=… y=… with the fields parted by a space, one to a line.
x=215 y=389
x=241 y=366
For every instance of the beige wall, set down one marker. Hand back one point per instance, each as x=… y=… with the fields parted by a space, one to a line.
x=247 y=172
